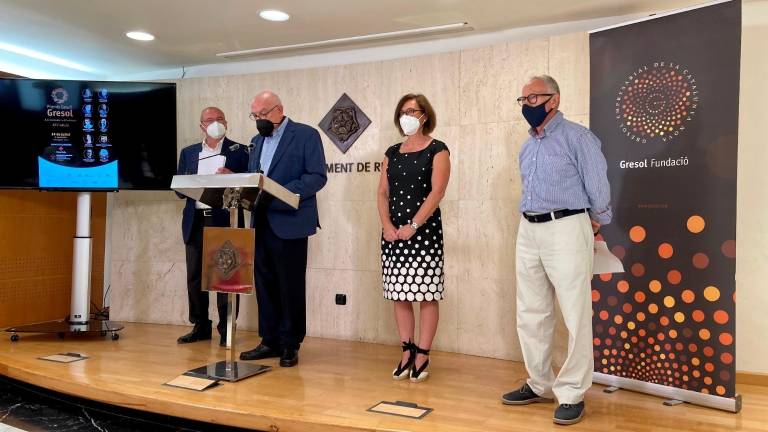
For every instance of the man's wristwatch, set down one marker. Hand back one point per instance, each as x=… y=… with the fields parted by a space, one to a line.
x=414 y=225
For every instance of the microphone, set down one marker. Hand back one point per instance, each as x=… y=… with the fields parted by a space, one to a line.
x=258 y=156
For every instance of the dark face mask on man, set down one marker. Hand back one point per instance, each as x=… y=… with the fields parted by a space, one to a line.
x=265 y=127
x=535 y=115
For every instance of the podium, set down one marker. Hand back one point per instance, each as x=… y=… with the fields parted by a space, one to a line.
x=231 y=191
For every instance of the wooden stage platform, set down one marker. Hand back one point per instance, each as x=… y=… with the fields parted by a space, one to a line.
x=333 y=386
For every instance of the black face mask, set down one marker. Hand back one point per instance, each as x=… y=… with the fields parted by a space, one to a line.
x=535 y=115
x=265 y=127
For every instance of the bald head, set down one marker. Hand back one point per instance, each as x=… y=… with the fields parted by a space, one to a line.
x=210 y=114
x=268 y=97
x=267 y=105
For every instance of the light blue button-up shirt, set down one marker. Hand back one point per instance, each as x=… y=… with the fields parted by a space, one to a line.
x=563 y=168
x=269 y=147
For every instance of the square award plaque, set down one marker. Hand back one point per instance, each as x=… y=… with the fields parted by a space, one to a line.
x=228 y=255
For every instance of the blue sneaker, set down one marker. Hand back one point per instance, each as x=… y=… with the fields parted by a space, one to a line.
x=523 y=396
x=568 y=414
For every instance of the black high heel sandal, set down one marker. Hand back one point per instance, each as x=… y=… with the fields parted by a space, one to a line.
x=402 y=370
x=420 y=374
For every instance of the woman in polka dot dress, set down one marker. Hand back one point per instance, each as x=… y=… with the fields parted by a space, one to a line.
x=414 y=177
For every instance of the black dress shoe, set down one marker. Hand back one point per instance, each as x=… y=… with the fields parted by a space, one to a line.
x=260 y=352
x=289 y=358
x=197 y=334
x=222 y=336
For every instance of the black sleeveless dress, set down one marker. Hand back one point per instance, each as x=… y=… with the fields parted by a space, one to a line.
x=413 y=270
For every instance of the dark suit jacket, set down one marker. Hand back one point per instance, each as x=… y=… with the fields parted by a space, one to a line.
x=299 y=166
x=237 y=161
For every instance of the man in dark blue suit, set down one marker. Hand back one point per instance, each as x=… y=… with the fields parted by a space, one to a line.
x=198 y=215
x=291 y=154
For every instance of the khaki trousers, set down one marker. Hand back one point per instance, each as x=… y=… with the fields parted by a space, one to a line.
x=554 y=259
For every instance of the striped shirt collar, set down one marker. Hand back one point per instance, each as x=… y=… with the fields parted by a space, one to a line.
x=551 y=126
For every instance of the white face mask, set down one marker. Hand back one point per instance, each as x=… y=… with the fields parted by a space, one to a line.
x=410 y=124
x=216 y=130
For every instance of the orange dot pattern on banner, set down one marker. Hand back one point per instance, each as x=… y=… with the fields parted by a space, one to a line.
x=695 y=224
x=656 y=103
x=655 y=324
x=700 y=261
x=728 y=248
x=637 y=234
x=666 y=251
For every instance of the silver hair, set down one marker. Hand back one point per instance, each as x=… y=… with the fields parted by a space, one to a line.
x=549 y=81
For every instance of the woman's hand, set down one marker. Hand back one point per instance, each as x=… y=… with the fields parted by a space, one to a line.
x=390 y=233
x=405 y=232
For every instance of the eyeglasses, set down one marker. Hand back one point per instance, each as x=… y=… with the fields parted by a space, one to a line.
x=255 y=116
x=532 y=98
x=206 y=122
x=410 y=112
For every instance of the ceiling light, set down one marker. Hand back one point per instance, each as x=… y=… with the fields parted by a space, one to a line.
x=274 y=15
x=140 y=36
x=354 y=39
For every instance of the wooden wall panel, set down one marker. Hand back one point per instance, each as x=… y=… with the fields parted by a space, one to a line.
x=36 y=230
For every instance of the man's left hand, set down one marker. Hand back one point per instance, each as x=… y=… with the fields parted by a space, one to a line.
x=595 y=227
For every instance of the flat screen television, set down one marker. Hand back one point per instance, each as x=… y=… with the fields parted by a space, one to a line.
x=87 y=135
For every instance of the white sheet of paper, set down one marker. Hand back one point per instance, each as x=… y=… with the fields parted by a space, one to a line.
x=605 y=261
x=209 y=164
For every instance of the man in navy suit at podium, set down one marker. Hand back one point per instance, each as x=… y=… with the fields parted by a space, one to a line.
x=291 y=154
x=216 y=154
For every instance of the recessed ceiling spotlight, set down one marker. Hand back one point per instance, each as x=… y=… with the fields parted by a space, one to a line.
x=140 y=36
x=274 y=15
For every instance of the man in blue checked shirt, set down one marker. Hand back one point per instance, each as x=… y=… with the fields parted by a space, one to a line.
x=565 y=199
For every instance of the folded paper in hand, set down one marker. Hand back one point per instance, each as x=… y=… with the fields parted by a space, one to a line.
x=210 y=164
x=605 y=261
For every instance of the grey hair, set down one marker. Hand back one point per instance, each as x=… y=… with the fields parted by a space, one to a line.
x=549 y=81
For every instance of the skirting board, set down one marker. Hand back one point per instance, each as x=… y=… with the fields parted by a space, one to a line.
x=721 y=403
x=752 y=378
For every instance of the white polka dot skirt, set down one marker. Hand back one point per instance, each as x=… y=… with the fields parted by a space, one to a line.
x=412 y=270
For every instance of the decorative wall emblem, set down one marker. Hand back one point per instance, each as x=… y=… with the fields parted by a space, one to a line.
x=344 y=123
x=227 y=260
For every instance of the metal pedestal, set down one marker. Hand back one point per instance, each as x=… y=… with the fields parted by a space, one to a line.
x=230 y=369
